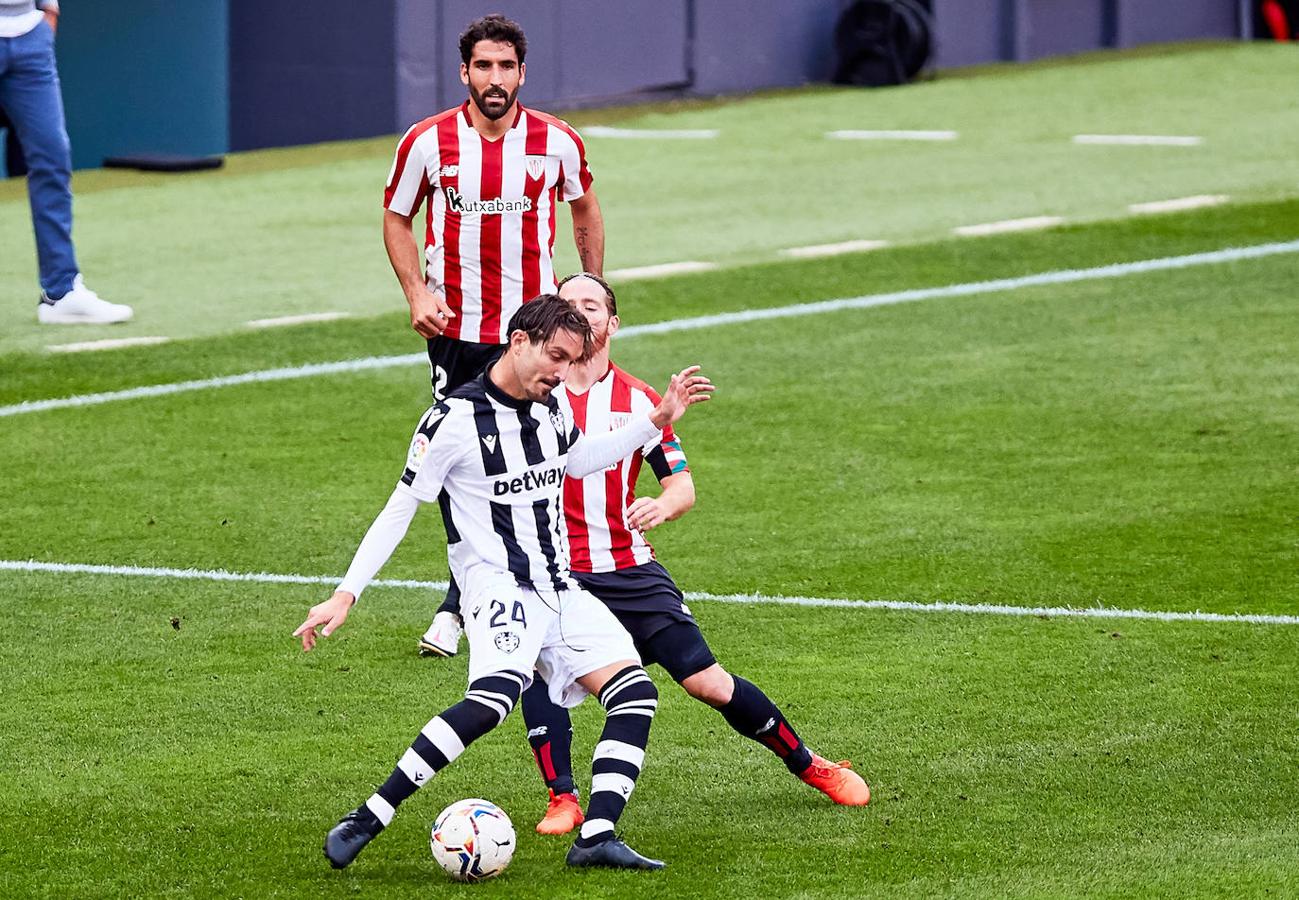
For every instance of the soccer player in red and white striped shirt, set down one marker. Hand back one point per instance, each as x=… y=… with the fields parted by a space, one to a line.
x=611 y=559
x=489 y=174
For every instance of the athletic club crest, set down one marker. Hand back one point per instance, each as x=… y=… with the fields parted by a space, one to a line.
x=507 y=642
x=536 y=166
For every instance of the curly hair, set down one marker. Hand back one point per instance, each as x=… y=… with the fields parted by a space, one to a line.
x=493 y=28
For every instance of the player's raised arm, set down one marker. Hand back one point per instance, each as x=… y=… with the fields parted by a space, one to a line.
x=686 y=388
x=591 y=454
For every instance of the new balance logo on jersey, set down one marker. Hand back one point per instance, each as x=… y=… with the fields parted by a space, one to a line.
x=528 y=481
x=449 y=172
x=496 y=206
x=489 y=441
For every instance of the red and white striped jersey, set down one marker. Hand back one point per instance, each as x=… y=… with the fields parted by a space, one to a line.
x=595 y=507
x=490 y=229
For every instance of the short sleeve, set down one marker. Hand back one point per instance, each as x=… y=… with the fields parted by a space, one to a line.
x=576 y=172
x=408 y=182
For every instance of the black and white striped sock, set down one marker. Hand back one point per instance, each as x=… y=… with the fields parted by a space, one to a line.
x=487 y=702
x=629 y=699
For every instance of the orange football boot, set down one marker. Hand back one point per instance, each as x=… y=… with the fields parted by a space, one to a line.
x=563 y=814
x=837 y=781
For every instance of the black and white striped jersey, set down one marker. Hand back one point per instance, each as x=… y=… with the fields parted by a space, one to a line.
x=496 y=467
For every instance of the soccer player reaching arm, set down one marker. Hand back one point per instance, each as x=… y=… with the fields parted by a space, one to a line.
x=589 y=455
x=493 y=455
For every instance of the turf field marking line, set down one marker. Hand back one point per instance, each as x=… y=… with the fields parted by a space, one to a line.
x=109 y=344
x=1177 y=204
x=661 y=270
x=1065 y=612
x=813 y=251
x=1063 y=276
x=1057 y=277
x=672 y=134
x=893 y=135
x=1139 y=140
x=202 y=384
x=296 y=320
x=1008 y=225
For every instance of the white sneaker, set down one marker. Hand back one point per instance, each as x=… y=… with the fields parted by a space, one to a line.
x=442 y=637
x=80 y=306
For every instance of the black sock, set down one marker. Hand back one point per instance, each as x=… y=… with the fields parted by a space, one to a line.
x=629 y=699
x=451 y=602
x=487 y=702
x=753 y=715
x=550 y=732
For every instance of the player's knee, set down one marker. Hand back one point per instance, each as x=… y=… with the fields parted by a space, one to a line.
x=713 y=685
x=630 y=692
x=498 y=692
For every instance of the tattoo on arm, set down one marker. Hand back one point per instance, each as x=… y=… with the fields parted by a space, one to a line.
x=582 y=237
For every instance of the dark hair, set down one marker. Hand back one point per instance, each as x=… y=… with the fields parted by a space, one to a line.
x=609 y=298
x=539 y=319
x=493 y=28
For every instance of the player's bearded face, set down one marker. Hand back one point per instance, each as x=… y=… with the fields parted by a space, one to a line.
x=493 y=75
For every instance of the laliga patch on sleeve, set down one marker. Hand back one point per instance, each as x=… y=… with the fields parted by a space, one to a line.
x=418 y=450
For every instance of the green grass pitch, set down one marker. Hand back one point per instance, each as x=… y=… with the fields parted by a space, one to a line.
x=1130 y=443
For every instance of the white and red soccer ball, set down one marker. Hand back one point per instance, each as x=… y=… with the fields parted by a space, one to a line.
x=472 y=840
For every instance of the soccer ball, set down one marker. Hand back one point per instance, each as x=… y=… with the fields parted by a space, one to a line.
x=472 y=840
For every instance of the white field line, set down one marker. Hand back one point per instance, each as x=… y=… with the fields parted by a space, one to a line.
x=1063 y=612
x=662 y=270
x=893 y=135
x=1198 y=201
x=1008 y=225
x=672 y=134
x=203 y=384
x=296 y=320
x=109 y=344
x=818 y=250
x=1057 y=277
x=1139 y=140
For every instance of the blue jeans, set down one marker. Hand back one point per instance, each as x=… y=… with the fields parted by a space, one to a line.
x=29 y=94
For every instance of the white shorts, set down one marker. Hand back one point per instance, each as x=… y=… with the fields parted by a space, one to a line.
x=562 y=635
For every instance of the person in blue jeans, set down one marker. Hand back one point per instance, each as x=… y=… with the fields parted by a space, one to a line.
x=30 y=98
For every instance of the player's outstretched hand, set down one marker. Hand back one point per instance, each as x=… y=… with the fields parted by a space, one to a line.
x=686 y=388
x=429 y=312
x=331 y=614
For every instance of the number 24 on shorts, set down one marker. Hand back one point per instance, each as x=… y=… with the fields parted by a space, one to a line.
x=498 y=615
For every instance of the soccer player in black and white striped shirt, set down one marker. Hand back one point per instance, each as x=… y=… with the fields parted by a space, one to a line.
x=494 y=455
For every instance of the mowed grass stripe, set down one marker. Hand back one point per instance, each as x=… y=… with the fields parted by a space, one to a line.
x=903 y=267
x=1014 y=757
x=1075 y=446
x=1042 y=612
x=1060 y=277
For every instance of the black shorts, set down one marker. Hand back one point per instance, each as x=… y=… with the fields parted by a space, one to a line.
x=650 y=606
x=454 y=362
